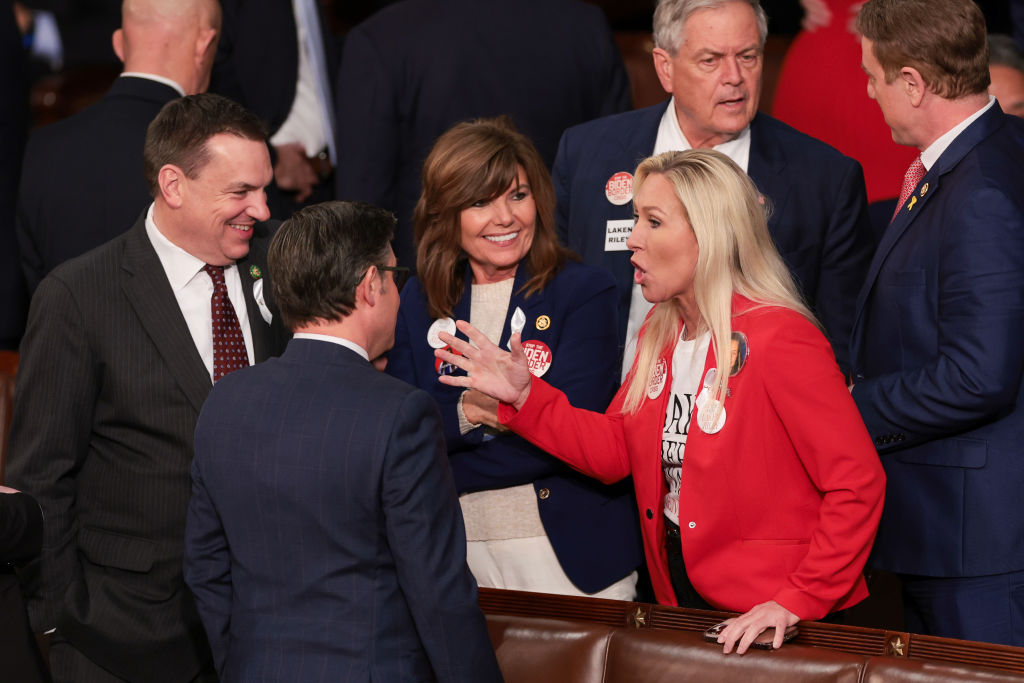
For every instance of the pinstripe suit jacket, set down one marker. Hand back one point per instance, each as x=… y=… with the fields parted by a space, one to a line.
x=324 y=539
x=109 y=389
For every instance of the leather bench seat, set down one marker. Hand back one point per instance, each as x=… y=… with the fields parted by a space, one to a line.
x=555 y=639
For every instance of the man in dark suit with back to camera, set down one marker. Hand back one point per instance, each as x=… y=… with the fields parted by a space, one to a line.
x=82 y=181
x=709 y=57
x=123 y=345
x=324 y=539
x=937 y=353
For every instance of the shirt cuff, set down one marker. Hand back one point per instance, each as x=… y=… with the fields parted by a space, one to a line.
x=465 y=426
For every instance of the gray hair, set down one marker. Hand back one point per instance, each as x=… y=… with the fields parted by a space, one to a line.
x=670 y=17
x=1003 y=50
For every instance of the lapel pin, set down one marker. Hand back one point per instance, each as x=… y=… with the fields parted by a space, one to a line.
x=517 y=324
x=924 y=189
x=738 y=353
x=255 y=272
x=543 y=322
x=913 y=200
x=257 y=295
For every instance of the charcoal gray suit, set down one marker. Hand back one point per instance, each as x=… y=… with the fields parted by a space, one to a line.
x=109 y=389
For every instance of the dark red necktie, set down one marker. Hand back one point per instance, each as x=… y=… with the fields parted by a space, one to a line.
x=229 y=352
x=913 y=176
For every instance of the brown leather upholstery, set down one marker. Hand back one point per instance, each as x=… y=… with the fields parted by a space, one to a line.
x=637 y=655
x=8 y=370
x=549 y=651
x=880 y=670
x=546 y=638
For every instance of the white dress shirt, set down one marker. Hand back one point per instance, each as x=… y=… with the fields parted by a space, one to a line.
x=310 y=120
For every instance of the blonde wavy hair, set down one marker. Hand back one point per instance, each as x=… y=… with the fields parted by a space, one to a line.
x=736 y=256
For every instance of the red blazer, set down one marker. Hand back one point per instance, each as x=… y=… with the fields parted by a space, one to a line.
x=781 y=504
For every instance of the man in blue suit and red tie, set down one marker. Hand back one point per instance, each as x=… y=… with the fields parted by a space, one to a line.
x=324 y=539
x=937 y=352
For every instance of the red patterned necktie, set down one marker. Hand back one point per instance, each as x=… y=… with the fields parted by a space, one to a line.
x=229 y=352
x=910 y=181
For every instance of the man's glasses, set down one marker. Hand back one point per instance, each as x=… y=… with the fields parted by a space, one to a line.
x=399 y=274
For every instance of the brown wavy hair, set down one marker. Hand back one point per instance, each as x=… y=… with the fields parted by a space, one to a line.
x=473 y=161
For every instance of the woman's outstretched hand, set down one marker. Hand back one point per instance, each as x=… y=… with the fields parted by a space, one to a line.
x=499 y=374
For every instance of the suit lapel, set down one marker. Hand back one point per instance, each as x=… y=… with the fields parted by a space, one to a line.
x=927 y=189
x=149 y=293
x=253 y=269
x=766 y=167
x=518 y=301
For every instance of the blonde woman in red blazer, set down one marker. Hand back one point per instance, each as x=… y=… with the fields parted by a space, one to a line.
x=781 y=490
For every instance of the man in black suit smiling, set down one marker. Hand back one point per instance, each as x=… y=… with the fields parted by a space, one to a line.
x=123 y=345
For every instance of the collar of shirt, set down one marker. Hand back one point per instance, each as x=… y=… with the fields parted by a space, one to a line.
x=340 y=341
x=179 y=265
x=930 y=155
x=159 y=79
x=671 y=138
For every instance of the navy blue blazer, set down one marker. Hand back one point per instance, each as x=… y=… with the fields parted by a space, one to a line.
x=324 y=539
x=819 y=218
x=592 y=527
x=938 y=355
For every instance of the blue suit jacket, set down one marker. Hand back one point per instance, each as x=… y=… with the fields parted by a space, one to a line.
x=324 y=539
x=593 y=528
x=819 y=218
x=938 y=353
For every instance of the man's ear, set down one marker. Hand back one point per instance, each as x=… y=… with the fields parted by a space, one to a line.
x=913 y=85
x=369 y=289
x=171 y=181
x=663 y=67
x=117 y=40
x=206 y=45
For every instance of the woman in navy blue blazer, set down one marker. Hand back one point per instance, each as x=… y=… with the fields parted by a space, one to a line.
x=487 y=252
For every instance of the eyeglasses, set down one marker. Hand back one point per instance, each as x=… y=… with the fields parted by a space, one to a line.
x=399 y=275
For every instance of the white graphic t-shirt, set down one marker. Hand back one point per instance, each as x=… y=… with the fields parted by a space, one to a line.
x=687 y=366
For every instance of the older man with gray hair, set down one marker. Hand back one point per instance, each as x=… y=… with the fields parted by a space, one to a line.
x=709 y=57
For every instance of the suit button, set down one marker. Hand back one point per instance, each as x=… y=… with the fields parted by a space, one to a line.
x=692 y=525
x=650 y=515
x=543 y=494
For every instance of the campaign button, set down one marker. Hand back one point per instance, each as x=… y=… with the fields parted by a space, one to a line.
x=436 y=328
x=538 y=355
x=619 y=188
